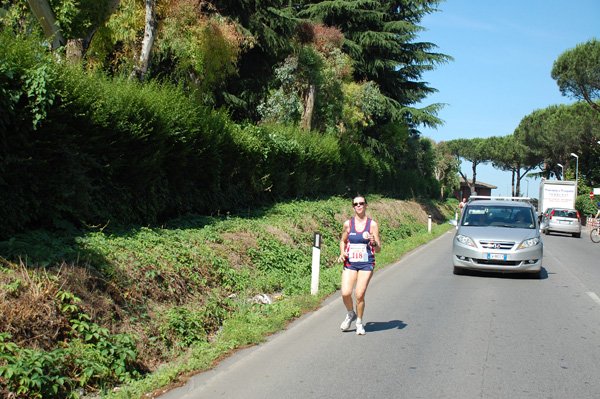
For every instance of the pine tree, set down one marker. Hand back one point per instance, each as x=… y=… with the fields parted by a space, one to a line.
x=381 y=39
x=272 y=23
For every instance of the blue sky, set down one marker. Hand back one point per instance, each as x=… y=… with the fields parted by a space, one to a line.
x=503 y=54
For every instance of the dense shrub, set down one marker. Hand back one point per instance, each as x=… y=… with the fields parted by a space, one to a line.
x=586 y=206
x=82 y=149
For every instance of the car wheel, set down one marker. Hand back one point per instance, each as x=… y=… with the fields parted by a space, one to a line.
x=458 y=271
x=537 y=275
x=547 y=232
x=577 y=235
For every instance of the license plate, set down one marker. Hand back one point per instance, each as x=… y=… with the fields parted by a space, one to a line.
x=496 y=256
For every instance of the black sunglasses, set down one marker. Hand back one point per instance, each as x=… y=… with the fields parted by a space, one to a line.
x=359 y=203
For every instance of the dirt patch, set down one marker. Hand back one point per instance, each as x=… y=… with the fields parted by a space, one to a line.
x=436 y=215
x=235 y=247
x=280 y=234
x=398 y=212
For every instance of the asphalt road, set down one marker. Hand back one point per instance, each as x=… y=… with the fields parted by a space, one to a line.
x=431 y=334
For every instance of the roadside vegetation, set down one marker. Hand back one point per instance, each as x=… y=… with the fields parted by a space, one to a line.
x=81 y=148
x=123 y=313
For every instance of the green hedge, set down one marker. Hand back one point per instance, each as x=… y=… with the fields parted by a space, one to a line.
x=79 y=148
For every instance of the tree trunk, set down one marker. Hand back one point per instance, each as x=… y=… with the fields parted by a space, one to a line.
x=472 y=186
x=141 y=68
x=520 y=175
x=588 y=99
x=76 y=48
x=518 y=172
x=309 y=103
x=43 y=13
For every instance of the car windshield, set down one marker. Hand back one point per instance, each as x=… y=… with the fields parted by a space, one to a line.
x=499 y=216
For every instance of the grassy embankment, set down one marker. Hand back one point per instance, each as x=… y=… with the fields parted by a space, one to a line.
x=171 y=301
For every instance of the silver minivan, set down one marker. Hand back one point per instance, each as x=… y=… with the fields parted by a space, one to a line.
x=498 y=234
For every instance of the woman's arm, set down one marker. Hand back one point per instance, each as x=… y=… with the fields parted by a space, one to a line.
x=374 y=237
x=343 y=240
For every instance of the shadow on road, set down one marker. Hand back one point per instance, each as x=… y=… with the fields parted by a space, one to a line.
x=384 y=325
x=506 y=275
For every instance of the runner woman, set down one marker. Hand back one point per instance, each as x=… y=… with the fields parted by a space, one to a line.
x=358 y=246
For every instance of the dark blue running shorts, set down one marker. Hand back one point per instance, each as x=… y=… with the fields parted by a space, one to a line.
x=363 y=267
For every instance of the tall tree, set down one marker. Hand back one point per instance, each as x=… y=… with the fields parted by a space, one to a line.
x=197 y=45
x=533 y=130
x=151 y=23
x=72 y=23
x=317 y=89
x=577 y=72
x=272 y=23
x=555 y=132
x=507 y=153
x=474 y=150
x=43 y=13
x=381 y=39
x=588 y=125
x=446 y=169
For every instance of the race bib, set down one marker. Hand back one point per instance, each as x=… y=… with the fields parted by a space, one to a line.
x=358 y=253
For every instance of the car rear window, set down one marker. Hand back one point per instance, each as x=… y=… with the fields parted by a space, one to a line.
x=565 y=213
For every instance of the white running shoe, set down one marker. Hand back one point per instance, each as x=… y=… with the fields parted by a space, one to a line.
x=350 y=317
x=360 y=329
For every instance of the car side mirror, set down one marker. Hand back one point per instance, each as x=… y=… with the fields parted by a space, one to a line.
x=453 y=222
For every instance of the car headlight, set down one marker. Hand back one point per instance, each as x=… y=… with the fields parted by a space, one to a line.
x=532 y=242
x=465 y=240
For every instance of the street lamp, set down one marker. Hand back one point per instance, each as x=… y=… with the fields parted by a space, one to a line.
x=576 y=167
x=527 y=181
x=576 y=173
x=562 y=171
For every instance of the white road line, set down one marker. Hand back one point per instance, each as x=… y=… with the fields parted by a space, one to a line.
x=591 y=294
x=594 y=297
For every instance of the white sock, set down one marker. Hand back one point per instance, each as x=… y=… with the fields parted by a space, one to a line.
x=358 y=321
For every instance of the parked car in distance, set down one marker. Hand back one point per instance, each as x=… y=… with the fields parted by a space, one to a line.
x=498 y=234
x=562 y=220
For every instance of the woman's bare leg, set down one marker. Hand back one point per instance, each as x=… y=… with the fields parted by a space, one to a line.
x=348 y=280
x=362 y=282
